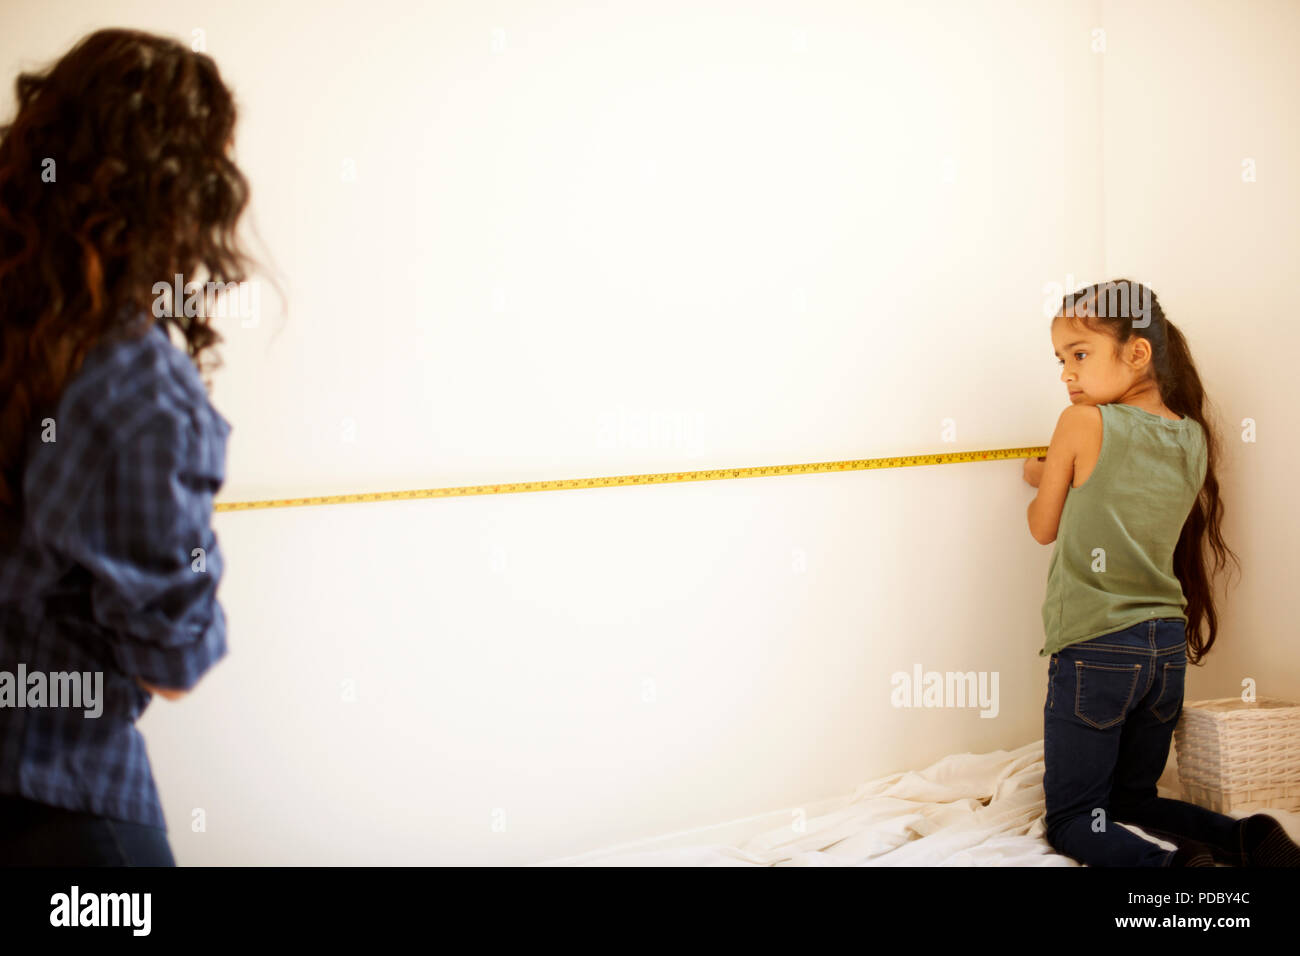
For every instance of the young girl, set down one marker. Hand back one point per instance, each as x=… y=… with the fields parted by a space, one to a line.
x=113 y=177
x=1128 y=491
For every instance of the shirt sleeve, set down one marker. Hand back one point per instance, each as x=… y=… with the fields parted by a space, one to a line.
x=143 y=532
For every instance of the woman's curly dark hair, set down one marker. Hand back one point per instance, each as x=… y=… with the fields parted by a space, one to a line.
x=114 y=176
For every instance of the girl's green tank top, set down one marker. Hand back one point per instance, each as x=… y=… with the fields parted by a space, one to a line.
x=1113 y=564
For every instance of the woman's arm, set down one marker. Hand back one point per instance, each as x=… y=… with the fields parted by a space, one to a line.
x=142 y=531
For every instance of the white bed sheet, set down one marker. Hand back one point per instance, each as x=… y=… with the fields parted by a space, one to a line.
x=964 y=810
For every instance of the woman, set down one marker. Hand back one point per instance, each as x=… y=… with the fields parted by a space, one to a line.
x=113 y=177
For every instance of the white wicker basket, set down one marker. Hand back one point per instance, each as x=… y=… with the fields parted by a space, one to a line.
x=1239 y=755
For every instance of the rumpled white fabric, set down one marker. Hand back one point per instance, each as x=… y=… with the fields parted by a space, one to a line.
x=965 y=810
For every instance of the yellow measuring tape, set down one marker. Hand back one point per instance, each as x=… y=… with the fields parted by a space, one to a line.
x=666 y=477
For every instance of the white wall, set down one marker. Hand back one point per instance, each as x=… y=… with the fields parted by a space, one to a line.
x=1199 y=98
x=798 y=232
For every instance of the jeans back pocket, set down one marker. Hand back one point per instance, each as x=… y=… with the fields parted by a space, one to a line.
x=1169 y=703
x=1103 y=692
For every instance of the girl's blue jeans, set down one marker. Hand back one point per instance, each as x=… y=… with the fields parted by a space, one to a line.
x=1112 y=705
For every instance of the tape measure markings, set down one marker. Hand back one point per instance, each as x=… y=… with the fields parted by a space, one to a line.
x=618 y=481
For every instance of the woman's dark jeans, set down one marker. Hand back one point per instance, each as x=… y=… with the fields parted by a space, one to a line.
x=1112 y=704
x=35 y=834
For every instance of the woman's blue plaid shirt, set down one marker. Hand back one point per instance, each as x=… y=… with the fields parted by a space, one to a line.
x=115 y=572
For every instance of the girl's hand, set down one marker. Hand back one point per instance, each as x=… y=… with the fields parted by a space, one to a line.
x=1034 y=470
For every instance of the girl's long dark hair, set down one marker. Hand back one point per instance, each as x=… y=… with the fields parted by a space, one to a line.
x=1175 y=374
x=113 y=177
